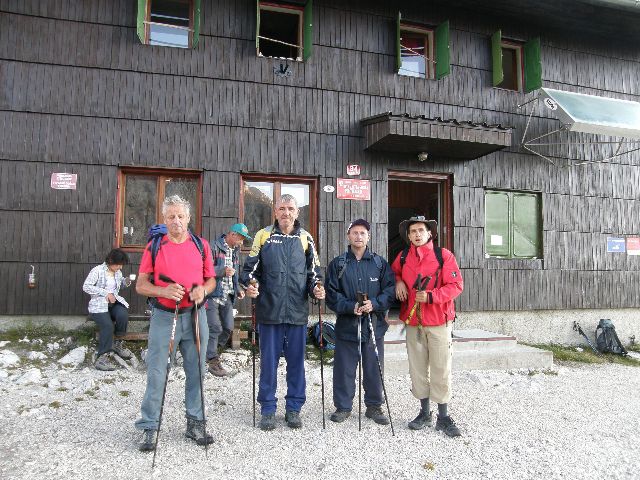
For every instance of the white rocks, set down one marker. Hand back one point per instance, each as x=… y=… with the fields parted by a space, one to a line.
x=74 y=358
x=24 y=340
x=31 y=376
x=4 y=342
x=3 y=375
x=54 y=383
x=8 y=358
x=37 y=356
x=53 y=346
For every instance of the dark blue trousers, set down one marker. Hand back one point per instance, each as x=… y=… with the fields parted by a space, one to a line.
x=274 y=340
x=117 y=318
x=345 y=371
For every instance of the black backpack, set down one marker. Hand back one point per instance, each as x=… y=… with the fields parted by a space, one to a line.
x=328 y=335
x=607 y=340
x=436 y=250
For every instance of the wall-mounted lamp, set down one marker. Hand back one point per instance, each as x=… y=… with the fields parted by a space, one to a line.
x=422 y=156
x=32 y=277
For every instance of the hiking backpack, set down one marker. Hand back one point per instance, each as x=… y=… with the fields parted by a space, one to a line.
x=156 y=232
x=342 y=263
x=607 y=340
x=328 y=335
x=436 y=250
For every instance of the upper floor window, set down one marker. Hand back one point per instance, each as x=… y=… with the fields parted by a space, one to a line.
x=513 y=224
x=421 y=51
x=141 y=193
x=284 y=30
x=169 y=23
x=516 y=66
x=260 y=192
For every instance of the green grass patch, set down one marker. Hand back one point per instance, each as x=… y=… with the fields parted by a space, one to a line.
x=313 y=353
x=109 y=380
x=55 y=404
x=124 y=393
x=634 y=348
x=562 y=353
x=62 y=389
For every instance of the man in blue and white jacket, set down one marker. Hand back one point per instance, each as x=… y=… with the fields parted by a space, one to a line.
x=359 y=270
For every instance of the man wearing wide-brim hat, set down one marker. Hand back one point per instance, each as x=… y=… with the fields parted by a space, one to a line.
x=427 y=282
x=226 y=264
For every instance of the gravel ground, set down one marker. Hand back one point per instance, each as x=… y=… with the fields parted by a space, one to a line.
x=576 y=421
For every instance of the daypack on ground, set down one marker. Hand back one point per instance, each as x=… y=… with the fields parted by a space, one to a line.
x=607 y=340
x=328 y=335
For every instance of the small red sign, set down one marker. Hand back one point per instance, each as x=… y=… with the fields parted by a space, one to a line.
x=633 y=245
x=64 y=181
x=353 y=170
x=352 y=189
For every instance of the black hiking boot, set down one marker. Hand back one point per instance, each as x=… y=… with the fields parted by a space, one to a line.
x=340 y=416
x=447 y=425
x=104 y=364
x=375 y=414
x=195 y=431
x=293 y=419
x=120 y=350
x=148 y=440
x=422 y=420
x=268 y=422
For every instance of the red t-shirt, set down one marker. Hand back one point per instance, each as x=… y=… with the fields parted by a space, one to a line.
x=181 y=262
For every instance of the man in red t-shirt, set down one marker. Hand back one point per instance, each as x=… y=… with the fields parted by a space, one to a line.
x=180 y=259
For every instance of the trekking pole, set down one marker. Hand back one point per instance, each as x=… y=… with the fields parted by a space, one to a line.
x=375 y=349
x=361 y=297
x=253 y=282
x=195 y=318
x=319 y=283
x=164 y=278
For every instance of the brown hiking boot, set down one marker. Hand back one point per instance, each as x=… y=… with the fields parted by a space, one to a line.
x=215 y=368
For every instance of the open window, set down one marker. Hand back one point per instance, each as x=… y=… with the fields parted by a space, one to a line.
x=516 y=66
x=422 y=51
x=260 y=192
x=141 y=193
x=284 y=30
x=169 y=23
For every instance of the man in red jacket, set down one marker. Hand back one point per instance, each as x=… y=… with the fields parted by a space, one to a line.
x=428 y=312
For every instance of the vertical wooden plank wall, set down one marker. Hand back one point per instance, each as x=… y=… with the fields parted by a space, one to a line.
x=78 y=93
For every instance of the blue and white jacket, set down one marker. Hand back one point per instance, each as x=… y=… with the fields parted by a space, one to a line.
x=95 y=285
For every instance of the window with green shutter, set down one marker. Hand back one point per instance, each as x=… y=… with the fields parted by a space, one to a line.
x=284 y=30
x=513 y=224
x=422 y=51
x=516 y=65
x=169 y=23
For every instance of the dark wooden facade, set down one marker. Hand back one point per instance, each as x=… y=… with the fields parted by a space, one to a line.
x=80 y=94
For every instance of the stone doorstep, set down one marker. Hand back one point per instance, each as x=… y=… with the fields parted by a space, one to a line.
x=472 y=350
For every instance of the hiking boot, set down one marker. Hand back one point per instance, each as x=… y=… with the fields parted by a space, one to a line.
x=104 y=364
x=375 y=414
x=293 y=419
x=268 y=422
x=340 y=416
x=122 y=351
x=215 y=368
x=196 y=431
x=422 y=420
x=148 y=440
x=447 y=425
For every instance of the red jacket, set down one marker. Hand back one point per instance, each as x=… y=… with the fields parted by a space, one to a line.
x=422 y=260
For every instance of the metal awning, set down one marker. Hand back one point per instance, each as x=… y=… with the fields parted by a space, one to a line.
x=452 y=138
x=597 y=120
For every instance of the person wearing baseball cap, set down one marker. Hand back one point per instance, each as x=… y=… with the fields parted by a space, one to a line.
x=225 y=250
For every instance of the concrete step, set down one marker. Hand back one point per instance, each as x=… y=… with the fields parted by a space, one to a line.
x=472 y=350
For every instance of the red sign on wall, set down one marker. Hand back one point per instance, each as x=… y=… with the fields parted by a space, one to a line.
x=633 y=245
x=64 y=181
x=351 y=189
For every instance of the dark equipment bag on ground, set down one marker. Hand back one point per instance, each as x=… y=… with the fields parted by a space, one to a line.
x=328 y=335
x=607 y=340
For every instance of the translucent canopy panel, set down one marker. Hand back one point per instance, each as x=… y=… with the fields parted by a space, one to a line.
x=592 y=114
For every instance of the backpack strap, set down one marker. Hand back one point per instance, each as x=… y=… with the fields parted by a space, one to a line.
x=342 y=264
x=403 y=256
x=156 y=243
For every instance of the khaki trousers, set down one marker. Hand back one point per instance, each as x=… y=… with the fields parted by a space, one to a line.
x=429 y=352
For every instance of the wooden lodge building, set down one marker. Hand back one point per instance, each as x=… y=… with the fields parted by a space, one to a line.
x=360 y=108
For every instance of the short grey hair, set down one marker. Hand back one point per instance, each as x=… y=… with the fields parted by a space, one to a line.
x=286 y=198
x=176 y=200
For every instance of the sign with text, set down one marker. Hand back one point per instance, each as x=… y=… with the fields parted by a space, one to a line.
x=64 y=181
x=352 y=189
x=353 y=170
x=615 y=245
x=633 y=245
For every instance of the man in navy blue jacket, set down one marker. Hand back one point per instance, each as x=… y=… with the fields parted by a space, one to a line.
x=359 y=270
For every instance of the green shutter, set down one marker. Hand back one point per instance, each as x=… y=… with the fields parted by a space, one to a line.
x=496 y=54
x=196 y=23
x=496 y=224
x=257 y=26
x=526 y=225
x=443 y=54
x=532 y=65
x=398 y=47
x=142 y=16
x=307 y=45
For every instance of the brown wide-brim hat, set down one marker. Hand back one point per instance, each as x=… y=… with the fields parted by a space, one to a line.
x=432 y=225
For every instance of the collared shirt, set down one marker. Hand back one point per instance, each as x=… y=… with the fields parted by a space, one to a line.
x=96 y=285
x=227 y=281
